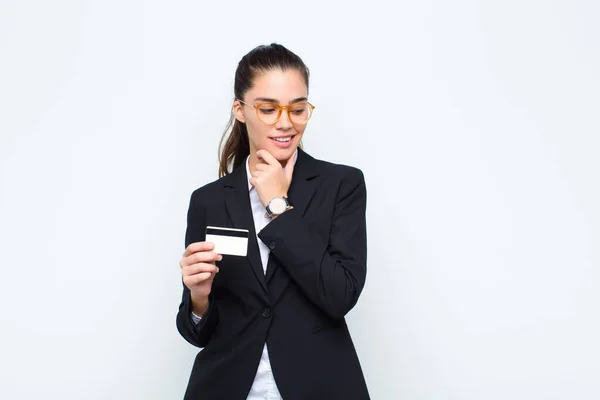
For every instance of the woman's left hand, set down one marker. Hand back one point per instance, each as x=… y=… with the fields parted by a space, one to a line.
x=269 y=178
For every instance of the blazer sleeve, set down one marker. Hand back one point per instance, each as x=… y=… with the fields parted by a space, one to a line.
x=196 y=334
x=331 y=273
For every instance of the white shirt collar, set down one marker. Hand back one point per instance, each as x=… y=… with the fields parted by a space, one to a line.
x=248 y=168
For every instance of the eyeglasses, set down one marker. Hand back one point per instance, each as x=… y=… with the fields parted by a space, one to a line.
x=269 y=113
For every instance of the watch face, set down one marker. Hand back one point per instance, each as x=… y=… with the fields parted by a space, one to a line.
x=277 y=205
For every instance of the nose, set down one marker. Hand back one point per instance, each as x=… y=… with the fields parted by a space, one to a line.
x=284 y=122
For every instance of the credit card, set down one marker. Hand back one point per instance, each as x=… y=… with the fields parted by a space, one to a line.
x=228 y=241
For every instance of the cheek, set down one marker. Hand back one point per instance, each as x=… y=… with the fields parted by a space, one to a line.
x=256 y=133
x=300 y=130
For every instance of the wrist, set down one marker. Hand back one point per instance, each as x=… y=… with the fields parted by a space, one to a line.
x=199 y=305
x=277 y=206
x=277 y=215
x=270 y=198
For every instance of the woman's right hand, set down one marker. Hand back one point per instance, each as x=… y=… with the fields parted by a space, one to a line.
x=198 y=270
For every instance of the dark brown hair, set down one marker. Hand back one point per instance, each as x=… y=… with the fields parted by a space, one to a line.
x=235 y=147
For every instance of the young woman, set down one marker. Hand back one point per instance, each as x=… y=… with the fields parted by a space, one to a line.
x=272 y=324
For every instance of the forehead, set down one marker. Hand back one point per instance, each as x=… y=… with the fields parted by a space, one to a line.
x=277 y=84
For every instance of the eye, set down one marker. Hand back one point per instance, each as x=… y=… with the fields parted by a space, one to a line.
x=299 y=109
x=267 y=109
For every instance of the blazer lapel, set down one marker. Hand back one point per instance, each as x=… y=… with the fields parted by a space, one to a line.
x=237 y=201
x=301 y=191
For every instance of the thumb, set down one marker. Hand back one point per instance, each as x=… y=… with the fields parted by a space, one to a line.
x=289 y=168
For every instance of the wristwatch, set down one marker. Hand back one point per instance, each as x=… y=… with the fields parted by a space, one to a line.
x=277 y=206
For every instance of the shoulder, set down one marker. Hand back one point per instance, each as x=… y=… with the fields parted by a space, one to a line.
x=203 y=195
x=342 y=184
x=342 y=173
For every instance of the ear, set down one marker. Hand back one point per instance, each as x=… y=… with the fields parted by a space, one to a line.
x=238 y=111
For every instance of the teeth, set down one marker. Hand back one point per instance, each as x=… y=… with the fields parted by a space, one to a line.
x=285 y=139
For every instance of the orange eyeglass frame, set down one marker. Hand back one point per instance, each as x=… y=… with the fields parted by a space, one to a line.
x=280 y=109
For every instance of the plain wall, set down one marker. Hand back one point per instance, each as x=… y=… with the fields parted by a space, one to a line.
x=475 y=123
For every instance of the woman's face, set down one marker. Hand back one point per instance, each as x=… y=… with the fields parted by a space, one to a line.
x=277 y=86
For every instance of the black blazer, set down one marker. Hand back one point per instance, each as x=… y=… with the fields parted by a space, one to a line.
x=315 y=274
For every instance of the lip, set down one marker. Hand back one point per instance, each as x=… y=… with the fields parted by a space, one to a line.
x=282 y=145
x=275 y=137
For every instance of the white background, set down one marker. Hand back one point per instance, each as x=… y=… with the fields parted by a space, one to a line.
x=475 y=123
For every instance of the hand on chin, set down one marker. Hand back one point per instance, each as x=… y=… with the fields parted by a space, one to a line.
x=269 y=178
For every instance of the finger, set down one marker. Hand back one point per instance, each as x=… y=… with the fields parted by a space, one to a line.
x=258 y=179
x=203 y=256
x=267 y=157
x=196 y=279
x=261 y=167
x=198 y=246
x=199 y=268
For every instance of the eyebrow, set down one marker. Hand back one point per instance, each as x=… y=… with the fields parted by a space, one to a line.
x=270 y=100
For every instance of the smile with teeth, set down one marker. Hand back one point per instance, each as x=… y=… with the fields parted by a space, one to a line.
x=283 y=139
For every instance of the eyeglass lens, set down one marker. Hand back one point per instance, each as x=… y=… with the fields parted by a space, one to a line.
x=299 y=113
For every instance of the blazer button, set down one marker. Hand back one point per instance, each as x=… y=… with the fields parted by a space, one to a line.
x=266 y=313
x=272 y=245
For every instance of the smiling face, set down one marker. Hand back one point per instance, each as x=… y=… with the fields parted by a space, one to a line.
x=283 y=137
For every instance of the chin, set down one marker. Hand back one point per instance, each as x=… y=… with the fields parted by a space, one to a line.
x=283 y=154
